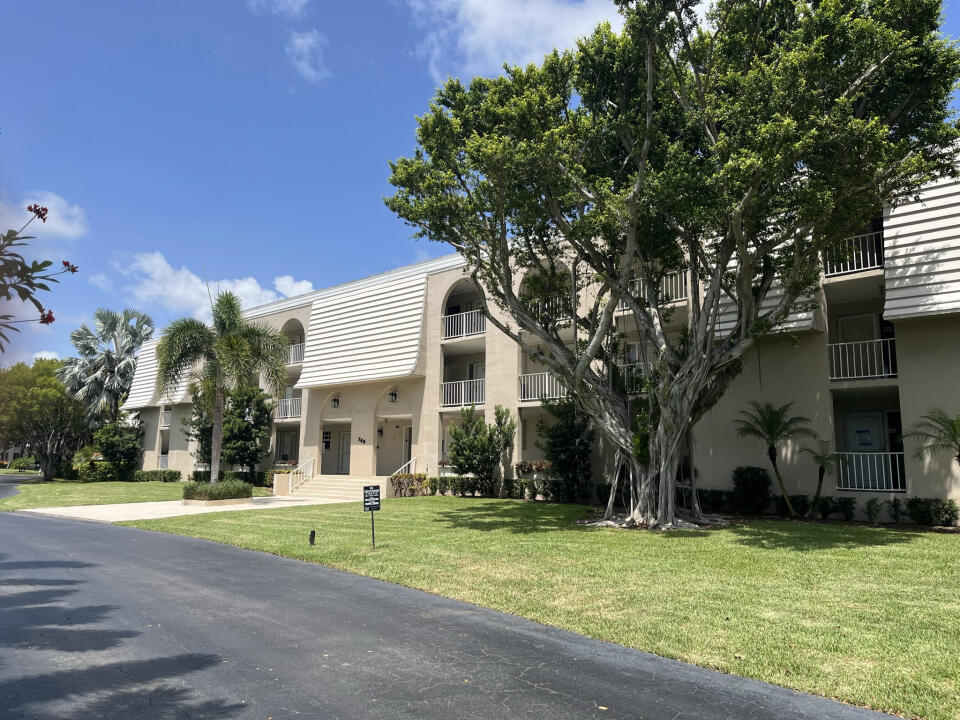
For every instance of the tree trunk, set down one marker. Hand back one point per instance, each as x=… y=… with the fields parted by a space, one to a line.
x=816 y=498
x=216 y=435
x=772 y=454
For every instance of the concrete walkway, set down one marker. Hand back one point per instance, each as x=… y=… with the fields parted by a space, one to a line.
x=123 y=512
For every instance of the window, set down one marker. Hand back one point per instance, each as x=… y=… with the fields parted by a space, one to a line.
x=523 y=434
x=327 y=440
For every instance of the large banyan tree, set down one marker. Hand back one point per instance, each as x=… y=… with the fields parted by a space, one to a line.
x=737 y=142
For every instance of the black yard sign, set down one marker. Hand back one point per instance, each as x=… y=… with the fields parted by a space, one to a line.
x=371 y=502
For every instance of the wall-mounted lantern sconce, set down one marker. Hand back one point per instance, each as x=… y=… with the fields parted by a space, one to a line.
x=380 y=431
x=392 y=395
x=335 y=401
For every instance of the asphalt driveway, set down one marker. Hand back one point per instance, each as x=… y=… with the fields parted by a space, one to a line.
x=98 y=621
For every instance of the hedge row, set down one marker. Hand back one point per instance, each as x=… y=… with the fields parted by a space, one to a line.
x=156 y=476
x=260 y=479
x=225 y=490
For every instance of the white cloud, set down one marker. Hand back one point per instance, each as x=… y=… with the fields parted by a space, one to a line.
x=305 y=53
x=65 y=220
x=475 y=37
x=291 y=9
x=101 y=281
x=156 y=283
x=46 y=355
x=288 y=287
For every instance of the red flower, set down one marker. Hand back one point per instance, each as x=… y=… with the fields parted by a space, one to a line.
x=46 y=317
x=38 y=211
x=69 y=267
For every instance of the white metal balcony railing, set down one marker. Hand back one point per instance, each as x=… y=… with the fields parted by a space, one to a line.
x=634 y=375
x=877 y=471
x=864 y=359
x=465 y=324
x=287 y=408
x=462 y=392
x=166 y=417
x=541 y=385
x=163 y=461
x=295 y=354
x=855 y=254
x=673 y=288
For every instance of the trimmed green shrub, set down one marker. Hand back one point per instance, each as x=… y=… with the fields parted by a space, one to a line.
x=933 y=511
x=826 y=506
x=871 y=509
x=226 y=490
x=409 y=484
x=801 y=503
x=156 y=476
x=895 y=508
x=846 y=506
x=257 y=479
x=119 y=443
x=751 y=490
x=202 y=476
x=713 y=501
x=23 y=463
x=99 y=471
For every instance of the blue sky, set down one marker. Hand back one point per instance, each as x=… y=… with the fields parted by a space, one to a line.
x=241 y=140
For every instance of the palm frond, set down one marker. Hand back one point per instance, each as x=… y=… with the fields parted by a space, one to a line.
x=823 y=455
x=185 y=342
x=772 y=424
x=934 y=433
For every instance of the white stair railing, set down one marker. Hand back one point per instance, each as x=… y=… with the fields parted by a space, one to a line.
x=299 y=475
x=863 y=359
x=410 y=466
x=877 y=471
x=548 y=385
x=472 y=322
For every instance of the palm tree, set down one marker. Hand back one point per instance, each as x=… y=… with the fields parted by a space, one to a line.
x=935 y=433
x=99 y=378
x=229 y=353
x=825 y=458
x=773 y=425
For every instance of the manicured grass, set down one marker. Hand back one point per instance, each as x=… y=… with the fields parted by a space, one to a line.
x=870 y=616
x=22 y=473
x=62 y=493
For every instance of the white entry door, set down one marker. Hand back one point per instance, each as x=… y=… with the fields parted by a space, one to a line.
x=344 y=453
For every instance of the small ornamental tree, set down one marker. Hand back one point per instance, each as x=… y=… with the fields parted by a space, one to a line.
x=733 y=142
x=478 y=449
x=247 y=425
x=199 y=424
x=120 y=445
x=567 y=444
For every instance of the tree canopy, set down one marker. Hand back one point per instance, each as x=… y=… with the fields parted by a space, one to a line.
x=735 y=142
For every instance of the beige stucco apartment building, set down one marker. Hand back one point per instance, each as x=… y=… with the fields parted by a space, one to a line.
x=379 y=369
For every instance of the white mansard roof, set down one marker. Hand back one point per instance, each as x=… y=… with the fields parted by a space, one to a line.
x=143 y=388
x=922 y=254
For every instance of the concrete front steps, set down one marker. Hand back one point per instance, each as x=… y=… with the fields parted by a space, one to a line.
x=340 y=488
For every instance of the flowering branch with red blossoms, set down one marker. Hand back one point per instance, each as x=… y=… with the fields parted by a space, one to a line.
x=23 y=280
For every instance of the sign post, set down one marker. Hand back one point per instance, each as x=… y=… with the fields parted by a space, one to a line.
x=371 y=503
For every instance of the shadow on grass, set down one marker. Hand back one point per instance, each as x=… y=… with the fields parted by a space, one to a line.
x=811 y=536
x=514 y=516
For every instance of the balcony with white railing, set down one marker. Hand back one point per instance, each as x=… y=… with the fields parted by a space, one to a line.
x=163 y=462
x=871 y=471
x=295 y=354
x=673 y=288
x=863 y=360
x=855 y=254
x=633 y=375
x=166 y=417
x=461 y=393
x=465 y=324
x=287 y=408
x=541 y=386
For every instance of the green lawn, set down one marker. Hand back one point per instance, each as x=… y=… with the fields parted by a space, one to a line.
x=61 y=493
x=870 y=616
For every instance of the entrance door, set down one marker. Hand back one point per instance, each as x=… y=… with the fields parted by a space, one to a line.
x=855 y=328
x=864 y=432
x=864 y=467
x=407 y=443
x=344 y=468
